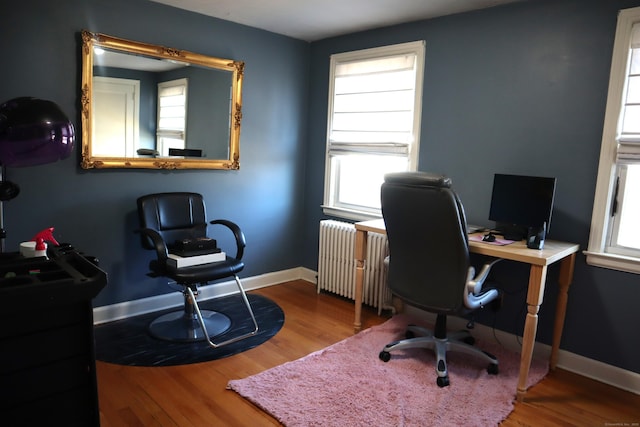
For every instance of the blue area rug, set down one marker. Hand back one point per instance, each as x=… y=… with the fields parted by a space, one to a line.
x=128 y=342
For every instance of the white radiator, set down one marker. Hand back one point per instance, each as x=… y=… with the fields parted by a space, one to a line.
x=337 y=265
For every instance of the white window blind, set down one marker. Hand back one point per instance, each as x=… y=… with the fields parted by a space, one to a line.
x=172 y=114
x=373 y=124
x=628 y=148
x=373 y=105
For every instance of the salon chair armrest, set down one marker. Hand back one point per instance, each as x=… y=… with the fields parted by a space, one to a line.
x=158 y=244
x=238 y=234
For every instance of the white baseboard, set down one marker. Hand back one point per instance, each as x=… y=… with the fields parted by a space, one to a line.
x=612 y=375
x=126 y=309
x=608 y=374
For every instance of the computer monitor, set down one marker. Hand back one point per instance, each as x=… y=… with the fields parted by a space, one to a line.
x=519 y=202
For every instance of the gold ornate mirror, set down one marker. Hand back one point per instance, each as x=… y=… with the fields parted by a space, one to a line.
x=146 y=106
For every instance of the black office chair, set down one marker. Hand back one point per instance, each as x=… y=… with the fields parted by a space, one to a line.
x=185 y=152
x=429 y=264
x=165 y=220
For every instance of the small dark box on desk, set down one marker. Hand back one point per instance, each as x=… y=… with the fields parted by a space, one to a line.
x=535 y=237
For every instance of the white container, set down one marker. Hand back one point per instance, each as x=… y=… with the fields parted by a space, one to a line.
x=28 y=250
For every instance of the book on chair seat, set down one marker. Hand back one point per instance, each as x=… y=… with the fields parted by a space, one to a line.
x=178 y=261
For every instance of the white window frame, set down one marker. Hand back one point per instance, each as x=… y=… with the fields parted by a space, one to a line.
x=602 y=250
x=330 y=204
x=168 y=137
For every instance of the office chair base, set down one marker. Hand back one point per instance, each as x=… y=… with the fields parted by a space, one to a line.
x=177 y=326
x=460 y=341
x=442 y=381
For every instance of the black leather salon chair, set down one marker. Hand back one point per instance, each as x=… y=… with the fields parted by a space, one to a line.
x=165 y=220
x=429 y=264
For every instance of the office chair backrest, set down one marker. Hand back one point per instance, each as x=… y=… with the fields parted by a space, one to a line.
x=175 y=216
x=428 y=243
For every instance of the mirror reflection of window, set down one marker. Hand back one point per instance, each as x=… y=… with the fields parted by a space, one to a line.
x=172 y=115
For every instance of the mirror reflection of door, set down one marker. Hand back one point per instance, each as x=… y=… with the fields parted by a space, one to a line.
x=117 y=100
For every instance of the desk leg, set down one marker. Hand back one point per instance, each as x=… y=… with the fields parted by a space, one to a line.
x=360 y=255
x=565 y=279
x=537 y=278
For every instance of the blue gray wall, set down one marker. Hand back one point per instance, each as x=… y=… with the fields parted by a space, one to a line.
x=515 y=89
x=95 y=209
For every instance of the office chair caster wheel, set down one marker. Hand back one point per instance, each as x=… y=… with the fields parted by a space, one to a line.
x=492 y=369
x=442 y=381
x=385 y=356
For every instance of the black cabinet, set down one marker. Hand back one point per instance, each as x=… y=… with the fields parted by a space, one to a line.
x=47 y=358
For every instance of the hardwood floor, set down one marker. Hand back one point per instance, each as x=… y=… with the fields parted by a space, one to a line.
x=196 y=395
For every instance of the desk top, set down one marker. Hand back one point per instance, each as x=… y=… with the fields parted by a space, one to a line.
x=517 y=251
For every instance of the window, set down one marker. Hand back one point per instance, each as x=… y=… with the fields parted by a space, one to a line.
x=375 y=98
x=615 y=226
x=172 y=115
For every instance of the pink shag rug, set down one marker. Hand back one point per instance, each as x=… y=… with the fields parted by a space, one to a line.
x=346 y=384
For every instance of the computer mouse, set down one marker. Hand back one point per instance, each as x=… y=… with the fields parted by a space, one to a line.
x=489 y=237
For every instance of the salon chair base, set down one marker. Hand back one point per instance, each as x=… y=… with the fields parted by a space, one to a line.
x=182 y=327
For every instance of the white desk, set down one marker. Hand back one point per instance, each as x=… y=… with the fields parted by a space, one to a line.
x=538 y=260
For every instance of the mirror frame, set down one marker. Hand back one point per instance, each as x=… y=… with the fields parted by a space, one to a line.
x=91 y=40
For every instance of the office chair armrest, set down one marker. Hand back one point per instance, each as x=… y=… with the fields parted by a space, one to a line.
x=479 y=300
x=158 y=244
x=474 y=296
x=238 y=234
x=474 y=284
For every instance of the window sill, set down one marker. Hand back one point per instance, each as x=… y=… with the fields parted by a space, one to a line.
x=614 y=262
x=348 y=214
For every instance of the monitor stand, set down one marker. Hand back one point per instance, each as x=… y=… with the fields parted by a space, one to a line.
x=512 y=231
